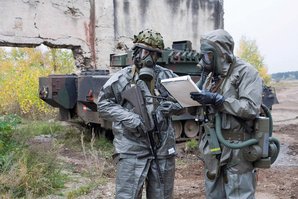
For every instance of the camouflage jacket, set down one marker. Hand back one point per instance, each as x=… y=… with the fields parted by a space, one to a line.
x=127 y=140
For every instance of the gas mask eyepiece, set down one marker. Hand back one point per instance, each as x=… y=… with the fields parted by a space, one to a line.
x=207 y=60
x=208 y=57
x=145 y=62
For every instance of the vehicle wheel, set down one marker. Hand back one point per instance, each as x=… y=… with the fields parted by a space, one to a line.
x=191 y=128
x=178 y=128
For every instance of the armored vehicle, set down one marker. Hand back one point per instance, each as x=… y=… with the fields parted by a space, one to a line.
x=76 y=94
x=269 y=96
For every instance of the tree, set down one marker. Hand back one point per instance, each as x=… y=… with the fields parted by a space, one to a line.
x=19 y=72
x=248 y=51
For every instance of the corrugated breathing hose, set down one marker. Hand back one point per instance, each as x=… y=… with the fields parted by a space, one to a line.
x=250 y=141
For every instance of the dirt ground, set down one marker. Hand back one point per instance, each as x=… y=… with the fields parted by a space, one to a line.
x=278 y=182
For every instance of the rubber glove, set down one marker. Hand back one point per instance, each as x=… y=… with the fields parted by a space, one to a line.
x=206 y=97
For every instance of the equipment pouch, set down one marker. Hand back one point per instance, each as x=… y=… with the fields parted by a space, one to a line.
x=212 y=139
x=212 y=162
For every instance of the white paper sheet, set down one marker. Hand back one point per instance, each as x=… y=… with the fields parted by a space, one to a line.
x=180 y=88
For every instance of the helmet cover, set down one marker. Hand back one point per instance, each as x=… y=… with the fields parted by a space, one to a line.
x=150 y=40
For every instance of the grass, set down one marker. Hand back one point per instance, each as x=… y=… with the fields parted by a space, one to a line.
x=180 y=162
x=27 y=169
x=100 y=148
x=31 y=164
x=85 y=189
x=95 y=149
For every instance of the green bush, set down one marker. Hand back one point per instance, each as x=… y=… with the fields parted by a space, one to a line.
x=27 y=169
x=191 y=145
x=8 y=146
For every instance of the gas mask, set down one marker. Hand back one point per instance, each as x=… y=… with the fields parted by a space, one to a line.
x=145 y=61
x=207 y=61
x=213 y=59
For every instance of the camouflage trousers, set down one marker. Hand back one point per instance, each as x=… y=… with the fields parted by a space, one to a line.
x=134 y=173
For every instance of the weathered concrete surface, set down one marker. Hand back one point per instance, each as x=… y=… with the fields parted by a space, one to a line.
x=95 y=28
x=175 y=19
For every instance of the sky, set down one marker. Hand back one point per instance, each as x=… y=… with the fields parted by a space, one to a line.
x=273 y=24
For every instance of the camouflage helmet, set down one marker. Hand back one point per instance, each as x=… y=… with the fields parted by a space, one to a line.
x=150 y=40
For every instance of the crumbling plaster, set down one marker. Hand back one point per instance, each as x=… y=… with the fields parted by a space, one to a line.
x=94 y=29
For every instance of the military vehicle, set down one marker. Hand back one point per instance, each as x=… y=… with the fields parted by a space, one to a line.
x=76 y=94
x=269 y=96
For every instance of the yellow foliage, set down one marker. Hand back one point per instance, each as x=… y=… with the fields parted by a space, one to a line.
x=19 y=76
x=248 y=51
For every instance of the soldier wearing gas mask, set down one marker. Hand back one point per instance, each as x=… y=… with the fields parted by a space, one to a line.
x=142 y=160
x=232 y=88
x=145 y=58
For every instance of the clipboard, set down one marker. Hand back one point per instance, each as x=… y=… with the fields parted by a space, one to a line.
x=180 y=88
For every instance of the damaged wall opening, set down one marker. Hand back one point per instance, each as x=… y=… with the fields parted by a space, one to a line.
x=55 y=60
x=20 y=70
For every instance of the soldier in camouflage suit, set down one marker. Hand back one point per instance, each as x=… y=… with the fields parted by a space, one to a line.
x=234 y=89
x=136 y=164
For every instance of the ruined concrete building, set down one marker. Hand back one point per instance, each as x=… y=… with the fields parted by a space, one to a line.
x=93 y=29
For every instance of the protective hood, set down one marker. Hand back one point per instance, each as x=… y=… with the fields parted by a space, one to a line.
x=221 y=43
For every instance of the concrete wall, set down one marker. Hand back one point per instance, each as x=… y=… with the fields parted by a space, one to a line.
x=95 y=28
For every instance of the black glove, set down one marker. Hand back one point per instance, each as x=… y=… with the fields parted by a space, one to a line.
x=206 y=97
